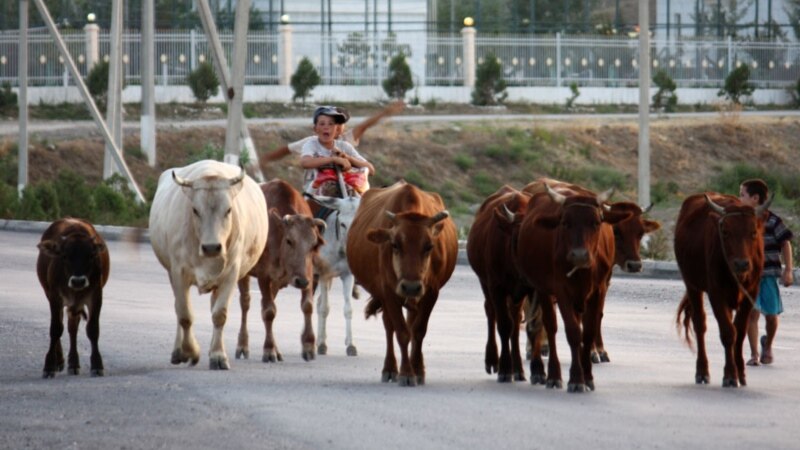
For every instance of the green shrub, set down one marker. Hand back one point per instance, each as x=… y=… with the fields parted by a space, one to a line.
x=97 y=83
x=665 y=97
x=573 y=87
x=74 y=196
x=9 y=201
x=203 y=82
x=8 y=98
x=737 y=85
x=304 y=80
x=209 y=151
x=484 y=184
x=661 y=192
x=464 y=162
x=39 y=202
x=399 y=80
x=490 y=87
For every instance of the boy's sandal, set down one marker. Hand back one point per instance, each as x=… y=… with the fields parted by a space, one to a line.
x=766 y=355
x=753 y=361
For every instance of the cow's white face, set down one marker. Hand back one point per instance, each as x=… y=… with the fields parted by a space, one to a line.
x=211 y=200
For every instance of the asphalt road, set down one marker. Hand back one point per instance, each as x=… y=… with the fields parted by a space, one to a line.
x=645 y=398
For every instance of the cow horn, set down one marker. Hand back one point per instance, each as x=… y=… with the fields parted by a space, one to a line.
x=392 y=216
x=510 y=216
x=718 y=209
x=605 y=196
x=180 y=181
x=555 y=196
x=761 y=208
x=606 y=207
x=441 y=215
x=238 y=179
x=646 y=210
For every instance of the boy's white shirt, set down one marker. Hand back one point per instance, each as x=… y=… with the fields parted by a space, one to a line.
x=310 y=146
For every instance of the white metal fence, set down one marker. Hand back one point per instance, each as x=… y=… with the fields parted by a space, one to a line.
x=435 y=60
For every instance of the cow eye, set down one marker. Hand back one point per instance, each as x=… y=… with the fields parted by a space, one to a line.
x=395 y=247
x=196 y=212
x=290 y=243
x=427 y=249
x=228 y=212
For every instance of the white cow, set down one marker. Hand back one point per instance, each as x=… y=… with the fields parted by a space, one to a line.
x=333 y=263
x=208 y=227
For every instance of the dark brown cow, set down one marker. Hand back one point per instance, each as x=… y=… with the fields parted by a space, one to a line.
x=490 y=252
x=564 y=252
x=628 y=236
x=73 y=267
x=292 y=247
x=402 y=248
x=720 y=251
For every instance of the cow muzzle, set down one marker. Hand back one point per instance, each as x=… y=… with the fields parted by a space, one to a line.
x=78 y=283
x=406 y=288
x=211 y=250
x=632 y=266
x=579 y=257
x=300 y=282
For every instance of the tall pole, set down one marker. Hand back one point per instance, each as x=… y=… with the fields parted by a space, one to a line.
x=114 y=106
x=235 y=89
x=22 y=174
x=148 y=117
x=644 y=102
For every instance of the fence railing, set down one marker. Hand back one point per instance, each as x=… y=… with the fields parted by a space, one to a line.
x=435 y=60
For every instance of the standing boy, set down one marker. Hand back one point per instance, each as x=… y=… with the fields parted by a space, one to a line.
x=777 y=246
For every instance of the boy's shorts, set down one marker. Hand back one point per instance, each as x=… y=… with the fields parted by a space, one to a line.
x=769 y=297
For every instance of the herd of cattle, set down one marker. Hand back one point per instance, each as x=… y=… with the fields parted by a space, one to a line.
x=551 y=244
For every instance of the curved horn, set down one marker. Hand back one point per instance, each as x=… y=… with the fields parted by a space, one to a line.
x=555 y=196
x=392 y=216
x=180 y=181
x=606 y=207
x=510 y=216
x=238 y=179
x=646 y=210
x=321 y=224
x=441 y=215
x=605 y=196
x=718 y=209
x=761 y=208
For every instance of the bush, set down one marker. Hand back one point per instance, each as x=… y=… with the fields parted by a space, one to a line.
x=203 y=81
x=665 y=97
x=737 y=85
x=304 y=80
x=490 y=87
x=8 y=98
x=795 y=93
x=97 y=83
x=399 y=81
x=573 y=87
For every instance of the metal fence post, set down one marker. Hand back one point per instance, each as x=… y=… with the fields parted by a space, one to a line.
x=730 y=54
x=193 y=50
x=92 y=45
x=285 y=56
x=468 y=38
x=558 y=59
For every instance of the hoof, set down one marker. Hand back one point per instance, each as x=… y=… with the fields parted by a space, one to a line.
x=48 y=374
x=322 y=349
x=590 y=385
x=218 y=363
x=491 y=368
x=730 y=383
x=352 y=351
x=308 y=355
x=242 y=353
x=576 y=387
x=519 y=376
x=538 y=379
x=604 y=357
x=98 y=372
x=701 y=379
x=554 y=384
x=504 y=378
x=74 y=370
x=387 y=377
x=179 y=357
x=595 y=357
x=406 y=381
x=420 y=380
x=273 y=356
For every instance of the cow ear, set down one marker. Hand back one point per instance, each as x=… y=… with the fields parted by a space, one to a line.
x=549 y=222
x=378 y=236
x=321 y=225
x=99 y=247
x=50 y=248
x=651 y=225
x=611 y=216
x=437 y=228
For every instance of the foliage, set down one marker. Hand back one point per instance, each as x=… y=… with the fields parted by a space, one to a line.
x=795 y=93
x=464 y=162
x=783 y=184
x=209 y=151
x=399 y=80
x=661 y=192
x=737 y=85
x=8 y=99
x=659 y=245
x=203 y=82
x=490 y=87
x=573 y=87
x=304 y=80
x=665 y=98
x=97 y=83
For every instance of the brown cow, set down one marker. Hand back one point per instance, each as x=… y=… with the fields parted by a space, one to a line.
x=628 y=236
x=402 y=248
x=490 y=252
x=73 y=267
x=564 y=252
x=288 y=259
x=720 y=251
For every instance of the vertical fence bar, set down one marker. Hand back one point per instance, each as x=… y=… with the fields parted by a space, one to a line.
x=22 y=172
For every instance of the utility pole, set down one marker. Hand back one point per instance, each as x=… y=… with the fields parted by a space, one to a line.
x=644 y=103
x=22 y=98
x=235 y=91
x=114 y=106
x=148 y=117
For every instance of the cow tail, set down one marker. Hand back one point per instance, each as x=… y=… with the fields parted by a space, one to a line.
x=685 y=309
x=373 y=307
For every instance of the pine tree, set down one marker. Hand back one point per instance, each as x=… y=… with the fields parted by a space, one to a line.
x=304 y=80
x=490 y=87
x=399 y=81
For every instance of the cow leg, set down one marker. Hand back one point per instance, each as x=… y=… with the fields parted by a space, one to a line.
x=741 y=323
x=515 y=309
x=220 y=299
x=572 y=328
x=695 y=299
x=390 y=362
x=727 y=335
x=599 y=353
x=419 y=328
x=491 y=359
x=268 y=312
x=403 y=336
x=73 y=362
x=186 y=348
x=93 y=333
x=307 y=338
x=504 y=323
x=590 y=319
x=243 y=342
x=550 y=322
x=323 y=308
x=348 y=285
x=54 y=359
